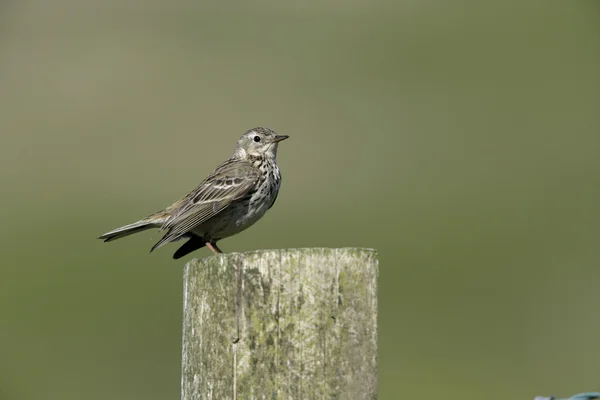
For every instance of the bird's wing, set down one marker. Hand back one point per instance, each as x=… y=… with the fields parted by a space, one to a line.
x=230 y=181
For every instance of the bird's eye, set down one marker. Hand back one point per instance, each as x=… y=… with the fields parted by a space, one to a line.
x=257 y=138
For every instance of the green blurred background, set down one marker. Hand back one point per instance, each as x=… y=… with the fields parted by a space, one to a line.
x=461 y=140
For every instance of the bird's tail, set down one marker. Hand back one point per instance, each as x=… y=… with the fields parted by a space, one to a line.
x=153 y=221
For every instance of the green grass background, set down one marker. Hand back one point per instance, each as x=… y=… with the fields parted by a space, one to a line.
x=460 y=139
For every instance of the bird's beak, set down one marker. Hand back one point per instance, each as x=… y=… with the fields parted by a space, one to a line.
x=279 y=138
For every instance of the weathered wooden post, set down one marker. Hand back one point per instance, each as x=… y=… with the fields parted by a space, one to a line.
x=281 y=324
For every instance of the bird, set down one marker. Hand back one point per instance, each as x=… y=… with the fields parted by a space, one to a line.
x=231 y=199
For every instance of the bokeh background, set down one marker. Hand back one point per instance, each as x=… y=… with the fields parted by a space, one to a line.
x=459 y=139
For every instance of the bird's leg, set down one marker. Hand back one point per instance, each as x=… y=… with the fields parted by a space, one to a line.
x=213 y=247
x=217 y=247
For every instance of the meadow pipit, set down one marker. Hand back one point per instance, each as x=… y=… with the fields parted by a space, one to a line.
x=236 y=195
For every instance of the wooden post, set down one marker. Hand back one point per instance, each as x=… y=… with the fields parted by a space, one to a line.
x=281 y=324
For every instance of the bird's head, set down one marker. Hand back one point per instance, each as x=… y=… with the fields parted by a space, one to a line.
x=258 y=142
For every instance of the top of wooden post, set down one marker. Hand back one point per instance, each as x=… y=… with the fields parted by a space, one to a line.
x=293 y=323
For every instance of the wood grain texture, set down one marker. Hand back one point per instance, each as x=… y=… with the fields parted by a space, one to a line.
x=281 y=324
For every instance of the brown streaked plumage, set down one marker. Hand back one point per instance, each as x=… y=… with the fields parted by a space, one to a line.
x=236 y=195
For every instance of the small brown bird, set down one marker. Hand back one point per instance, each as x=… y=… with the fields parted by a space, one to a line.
x=236 y=195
